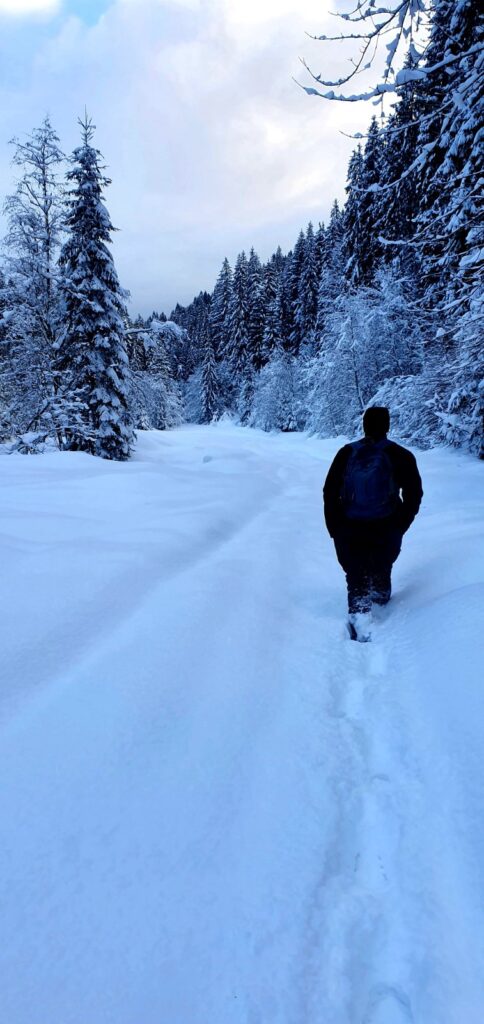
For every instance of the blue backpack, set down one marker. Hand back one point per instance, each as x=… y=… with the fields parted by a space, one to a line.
x=369 y=487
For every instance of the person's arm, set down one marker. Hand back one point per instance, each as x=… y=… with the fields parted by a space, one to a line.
x=412 y=493
x=333 y=485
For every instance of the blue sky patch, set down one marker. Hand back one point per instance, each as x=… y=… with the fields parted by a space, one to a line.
x=88 y=11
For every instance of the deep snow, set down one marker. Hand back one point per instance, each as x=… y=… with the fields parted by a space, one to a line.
x=215 y=808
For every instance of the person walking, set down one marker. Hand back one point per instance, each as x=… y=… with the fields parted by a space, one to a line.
x=372 y=494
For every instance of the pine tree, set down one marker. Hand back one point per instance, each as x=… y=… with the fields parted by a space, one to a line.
x=220 y=310
x=209 y=383
x=278 y=260
x=369 y=207
x=398 y=205
x=238 y=340
x=92 y=355
x=286 y=287
x=331 y=281
x=195 y=320
x=333 y=240
x=353 y=253
x=307 y=291
x=319 y=246
x=449 y=234
x=255 y=309
x=295 y=268
x=199 y=323
x=273 y=310
x=451 y=197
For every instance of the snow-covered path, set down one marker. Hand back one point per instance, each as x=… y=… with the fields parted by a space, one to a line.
x=216 y=809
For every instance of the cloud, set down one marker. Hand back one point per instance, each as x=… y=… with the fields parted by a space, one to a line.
x=24 y=7
x=210 y=144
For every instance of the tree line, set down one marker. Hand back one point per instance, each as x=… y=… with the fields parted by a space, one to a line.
x=384 y=303
x=381 y=305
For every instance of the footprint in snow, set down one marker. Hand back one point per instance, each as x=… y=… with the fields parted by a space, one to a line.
x=388 y=1004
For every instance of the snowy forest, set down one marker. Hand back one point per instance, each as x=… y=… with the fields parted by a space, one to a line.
x=380 y=305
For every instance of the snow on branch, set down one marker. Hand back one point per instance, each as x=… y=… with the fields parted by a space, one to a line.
x=402 y=20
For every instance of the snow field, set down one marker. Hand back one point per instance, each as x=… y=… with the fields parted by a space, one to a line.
x=216 y=808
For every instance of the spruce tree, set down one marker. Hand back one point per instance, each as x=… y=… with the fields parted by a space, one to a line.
x=353 y=253
x=278 y=259
x=285 y=280
x=331 y=281
x=238 y=340
x=195 y=319
x=398 y=205
x=451 y=142
x=369 y=205
x=220 y=310
x=209 y=383
x=255 y=309
x=307 y=292
x=319 y=245
x=273 y=310
x=295 y=267
x=93 y=356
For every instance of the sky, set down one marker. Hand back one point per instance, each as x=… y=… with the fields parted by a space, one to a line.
x=211 y=145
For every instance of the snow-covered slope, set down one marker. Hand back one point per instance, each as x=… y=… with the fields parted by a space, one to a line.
x=215 y=808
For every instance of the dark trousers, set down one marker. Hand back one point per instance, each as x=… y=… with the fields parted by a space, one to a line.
x=367 y=551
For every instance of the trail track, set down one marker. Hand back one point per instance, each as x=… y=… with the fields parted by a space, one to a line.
x=215 y=808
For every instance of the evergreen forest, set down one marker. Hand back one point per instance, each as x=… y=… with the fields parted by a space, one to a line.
x=382 y=304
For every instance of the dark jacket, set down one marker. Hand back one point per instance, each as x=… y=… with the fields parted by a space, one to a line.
x=407 y=479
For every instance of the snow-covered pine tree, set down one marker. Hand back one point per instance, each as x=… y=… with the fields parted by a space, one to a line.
x=353 y=254
x=238 y=339
x=236 y=378
x=295 y=267
x=210 y=400
x=361 y=246
x=272 y=337
x=195 y=320
x=307 y=293
x=31 y=315
x=450 y=143
x=398 y=205
x=220 y=310
x=319 y=245
x=92 y=355
x=369 y=207
x=199 y=323
x=179 y=315
x=286 y=282
x=279 y=260
x=255 y=308
x=331 y=281
x=333 y=242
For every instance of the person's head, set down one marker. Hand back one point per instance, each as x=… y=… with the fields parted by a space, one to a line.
x=376 y=422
